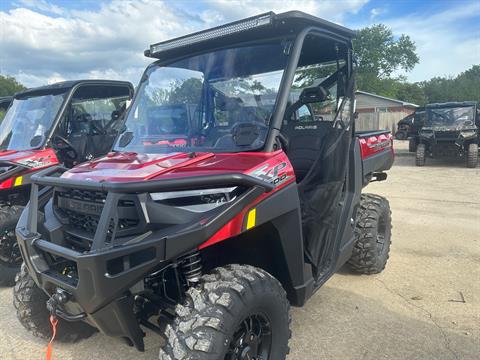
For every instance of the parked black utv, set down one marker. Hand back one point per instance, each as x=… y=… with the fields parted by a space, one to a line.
x=409 y=127
x=450 y=129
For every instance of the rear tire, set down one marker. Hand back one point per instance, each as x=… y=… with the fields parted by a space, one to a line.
x=10 y=258
x=420 y=156
x=373 y=234
x=412 y=145
x=30 y=302
x=211 y=323
x=472 y=156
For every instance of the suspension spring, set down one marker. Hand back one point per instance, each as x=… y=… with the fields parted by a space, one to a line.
x=191 y=266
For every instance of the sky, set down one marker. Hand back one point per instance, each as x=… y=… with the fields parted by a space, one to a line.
x=44 y=41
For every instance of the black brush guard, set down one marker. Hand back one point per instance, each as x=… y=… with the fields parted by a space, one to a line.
x=98 y=294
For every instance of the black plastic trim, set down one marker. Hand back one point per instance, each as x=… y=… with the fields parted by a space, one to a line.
x=43 y=178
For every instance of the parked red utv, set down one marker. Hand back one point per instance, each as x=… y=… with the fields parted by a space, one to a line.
x=66 y=123
x=210 y=242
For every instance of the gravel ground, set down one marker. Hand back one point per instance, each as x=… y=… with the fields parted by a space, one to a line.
x=425 y=305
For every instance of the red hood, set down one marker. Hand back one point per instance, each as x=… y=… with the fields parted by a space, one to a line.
x=137 y=167
x=32 y=158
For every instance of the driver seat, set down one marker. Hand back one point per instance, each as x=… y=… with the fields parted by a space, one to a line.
x=306 y=142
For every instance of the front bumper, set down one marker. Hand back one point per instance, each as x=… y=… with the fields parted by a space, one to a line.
x=106 y=270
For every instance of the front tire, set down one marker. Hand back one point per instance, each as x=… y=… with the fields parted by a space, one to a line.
x=373 y=234
x=472 y=156
x=236 y=312
x=30 y=302
x=10 y=257
x=420 y=156
x=401 y=135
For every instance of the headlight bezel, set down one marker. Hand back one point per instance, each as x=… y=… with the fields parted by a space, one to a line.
x=198 y=200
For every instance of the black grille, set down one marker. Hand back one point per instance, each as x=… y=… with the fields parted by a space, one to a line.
x=70 y=202
x=84 y=195
x=446 y=134
x=88 y=223
x=81 y=210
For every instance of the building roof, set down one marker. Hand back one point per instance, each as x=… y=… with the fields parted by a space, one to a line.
x=394 y=101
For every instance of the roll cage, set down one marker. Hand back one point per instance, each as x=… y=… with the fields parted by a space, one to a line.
x=448 y=113
x=269 y=26
x=69 y=88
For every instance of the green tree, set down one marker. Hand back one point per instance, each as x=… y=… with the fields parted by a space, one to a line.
x=186 y=92
x=9 y=86
x=379 y=54
x=464 y=87
x=411 y=92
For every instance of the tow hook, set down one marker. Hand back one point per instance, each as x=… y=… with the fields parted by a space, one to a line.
x=59 y=298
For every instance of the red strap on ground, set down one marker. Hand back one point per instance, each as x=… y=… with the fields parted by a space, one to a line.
x=54 y=322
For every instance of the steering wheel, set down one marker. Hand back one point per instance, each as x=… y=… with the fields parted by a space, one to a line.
x=65 y=146
x=257 y=129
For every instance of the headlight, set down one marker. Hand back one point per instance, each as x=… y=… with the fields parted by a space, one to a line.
x=427 y=133
x=467 y=134
x=197 y=200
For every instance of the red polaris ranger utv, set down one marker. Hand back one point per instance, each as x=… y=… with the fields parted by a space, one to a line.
x=67 y=123
x=208 y=241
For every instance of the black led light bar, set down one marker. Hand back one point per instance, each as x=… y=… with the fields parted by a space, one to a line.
x=217 y=32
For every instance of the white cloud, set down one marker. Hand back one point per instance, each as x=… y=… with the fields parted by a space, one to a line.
x=42 y=5
x=445 y=44
x=41 y=42
x=375 y=12
x=82 y=43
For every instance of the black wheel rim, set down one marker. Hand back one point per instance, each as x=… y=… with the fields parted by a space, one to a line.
x=9 y=251
x=252 y=339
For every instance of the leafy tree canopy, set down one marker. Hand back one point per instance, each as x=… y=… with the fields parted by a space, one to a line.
x=9 y=86
x=379 y=54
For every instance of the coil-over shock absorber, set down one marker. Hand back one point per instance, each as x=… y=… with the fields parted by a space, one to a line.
x=191 y=267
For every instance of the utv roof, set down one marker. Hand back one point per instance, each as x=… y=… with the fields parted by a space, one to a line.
x=66 y=85
x=263 y=26
x=451 y=104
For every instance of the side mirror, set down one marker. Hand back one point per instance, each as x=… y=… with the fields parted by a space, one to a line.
x=125 y=139
x=36 y=141
x=314 y=94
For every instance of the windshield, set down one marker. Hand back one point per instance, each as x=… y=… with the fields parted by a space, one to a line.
x=27 y=119
x=451 y=117
x=219 y=101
